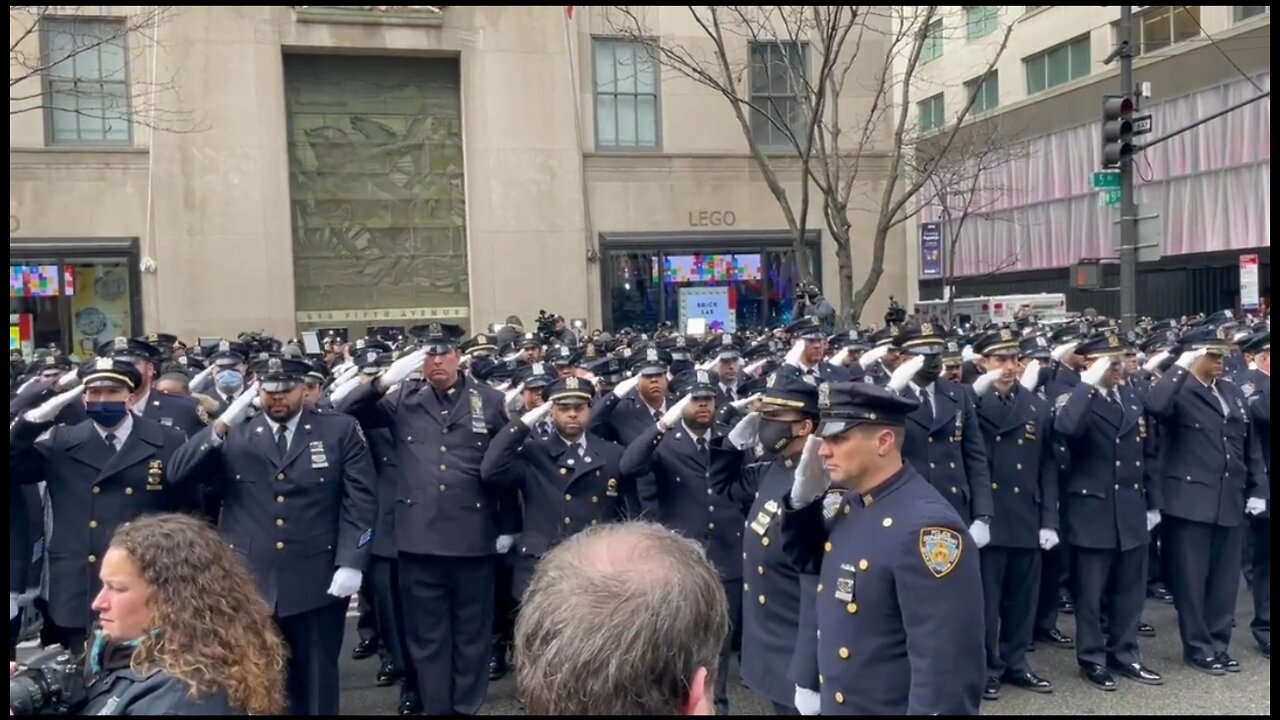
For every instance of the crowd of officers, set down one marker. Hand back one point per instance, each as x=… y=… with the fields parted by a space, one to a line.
x=1068 y=467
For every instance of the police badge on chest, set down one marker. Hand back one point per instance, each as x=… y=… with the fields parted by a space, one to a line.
x=846 y=583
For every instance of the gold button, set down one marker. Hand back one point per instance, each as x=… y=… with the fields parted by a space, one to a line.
x=844 y=653
x=761 y=599
x=280 y=476
x=711 y=526
x=760 y=569
x=1019 y=441
x=1016 y=490
x=827 y=546
x=441 y=487
x=848 y=509
x=563 y=471
x=568 y=497
x=279 y=522
x=764 y=541
x=279 y=545
x=443 y=468
x=1137 y=463
x=997 y=438
x=93 y=523
x=840 y=696
x=567 y=521
x=821 y=680
x=852 y=608
x=279 y=498
x=863 y=564
x=745 y=587
x=886 y=522
x=1018 y=466
x=995 y=486
x=97 y=490
x=128 y=491
x=1117 y=441
x=711 y=508
x=93 y=559
x=710 y=492
x=595 y=498
x=1135 y=486
x=930 y=439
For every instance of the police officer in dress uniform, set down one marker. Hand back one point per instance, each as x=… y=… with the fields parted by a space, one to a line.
x=229 y=359
x=1256 y=385
x=622 y=416
x=299 y=503
x=898 y=606
x=101 y=472
x=1213 y=477
x=723 y=348
x=812 y=360
x=1017 y=427
x=446 y=520
x=674 y=457
x=878 y=362
x=1111 y=499
x=943 y=440
x=756 y=464
x=172 y=410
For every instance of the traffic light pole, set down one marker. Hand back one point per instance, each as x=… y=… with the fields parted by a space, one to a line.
x=1128 y=205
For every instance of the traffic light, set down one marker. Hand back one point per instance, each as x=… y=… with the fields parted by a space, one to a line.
x=1086 y=274
x=1117 y=130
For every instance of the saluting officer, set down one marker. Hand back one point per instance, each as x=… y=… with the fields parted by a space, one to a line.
x=298 y=501
x=175 y=411
x=622 y=417
x=1256 y=385
x=1017 y=427
x=899 y=602
x=943 y=440
x=1110 y=502
x=446 y=521
x=879 y=362
x=810 y=352
x=788 y=414
x=101 y=472
x=1213 y=476
x=673 y=457
x=229 y=360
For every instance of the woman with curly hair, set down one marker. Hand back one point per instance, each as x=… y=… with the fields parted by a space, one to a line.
x=181 y=629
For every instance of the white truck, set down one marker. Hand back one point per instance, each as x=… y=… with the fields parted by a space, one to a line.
x=1048 y=307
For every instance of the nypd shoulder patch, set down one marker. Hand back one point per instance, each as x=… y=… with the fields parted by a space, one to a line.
x=366 y=537
x=831 y=503
x=940 y=548
x=1061 y=401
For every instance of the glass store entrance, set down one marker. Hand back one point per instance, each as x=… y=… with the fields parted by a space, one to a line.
x=736 y=281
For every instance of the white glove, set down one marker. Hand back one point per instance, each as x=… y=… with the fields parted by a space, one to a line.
x=967 y=354
x=744 y=434
x=873 y=356
x=238 y=410
x=1155 y=362
x=905 y=372
x=1096 y=371
x=401 y=369
x=1255 y=506
x=808 y=702
x=1048 y=539
x=1153 y=519
x=1190 y=356
x=810 y=477
x=531 y=420
x=982 y=385
x=202 y=378
x=511 y=394
x=794 y=354
x=840 y=358
x=1063 y=350
x=504 y=544
x=49 y=409
x=754 y=367
x=344 y=389
x=68 y=380
x=710 y=363
x=345 y=372
x=1253 y=366
x=740 y=405
x=1030 y=379
x=346 y=582
x=674 y=414
x=625 y=387
x=981 y=533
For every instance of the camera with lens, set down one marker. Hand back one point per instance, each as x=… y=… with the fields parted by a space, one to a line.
x=51 y=683
x=896 y=314
x=546 y=326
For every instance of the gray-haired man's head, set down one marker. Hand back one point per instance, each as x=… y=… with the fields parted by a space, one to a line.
x=622 y=619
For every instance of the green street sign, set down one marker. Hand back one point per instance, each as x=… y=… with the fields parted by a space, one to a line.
x=1106 y=180
x=1109 y=198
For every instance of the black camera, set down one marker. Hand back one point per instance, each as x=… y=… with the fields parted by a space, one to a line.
x=51 y=683
x=896 y=314
x=546 y=326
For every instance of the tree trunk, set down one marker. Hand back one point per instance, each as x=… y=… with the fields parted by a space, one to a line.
x=874 y=273
x=844 y=263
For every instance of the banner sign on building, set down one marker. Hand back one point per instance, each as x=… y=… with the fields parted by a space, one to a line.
x=1248 y=282
x=931 y=249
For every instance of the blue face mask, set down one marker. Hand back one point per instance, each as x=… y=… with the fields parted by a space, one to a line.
x=106 y=414
x=229 y=382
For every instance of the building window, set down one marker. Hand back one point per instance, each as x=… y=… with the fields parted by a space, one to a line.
x=933 y=113
x=1057 y=66
x=777 y=75
x=986 y=93
x=1163 y=25
x=980 y=20
x=86 y=81
x=626 y=80
x=932 y=47
x=1240 y=13
x=75 y=303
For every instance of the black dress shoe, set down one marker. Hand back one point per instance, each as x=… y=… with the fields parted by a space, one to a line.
x=1066 y=603
x=1146 y=631
x=1055 y=638
x=1028 y=680
x=364 y=649
x=1265 y=649
x=1228 y=663
x=1097 y=676
x=1160 y=594
x=409 y=704
x=387 y=675
x=1136 y=672
x=498 y=663
x=1208 y=666
x=992 y=689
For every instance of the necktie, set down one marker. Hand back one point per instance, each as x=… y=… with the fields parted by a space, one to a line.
x=657 y=416
x=702 y=445
x=729 y=393
x=282 y=441
x=582 y=450
x=111 y=442
x=926 y=399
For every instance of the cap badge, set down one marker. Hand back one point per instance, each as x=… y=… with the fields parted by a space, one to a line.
x=482 y=340
x=824 y=396
x=538 y=369
x=434 y=328
x=121 y=343
x=104 y=364
x=726 y=339
x=371 y=356
x=224 y=346
x=926 y=328
x=1222 y=334
x=771 y=380
x=703 y=378
x=153 y=337
x=571 y=383
x=1006 y=335
x=274 y=365
x=651 y=355
x=1113 y=341
x=591 y=351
